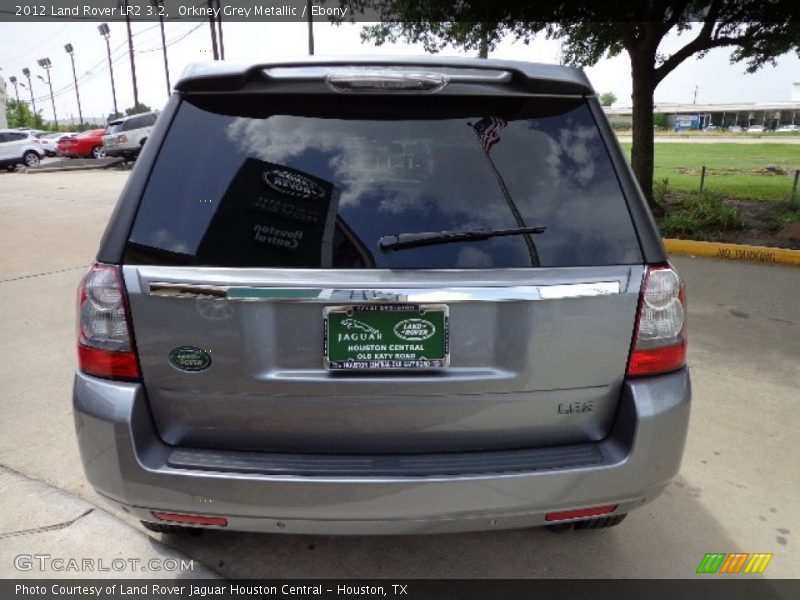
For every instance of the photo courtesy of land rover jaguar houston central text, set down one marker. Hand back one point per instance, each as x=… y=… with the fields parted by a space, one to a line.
x=378 y=296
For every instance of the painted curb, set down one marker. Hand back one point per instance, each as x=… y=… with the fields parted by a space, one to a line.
x=760 y=254
x=77 y=164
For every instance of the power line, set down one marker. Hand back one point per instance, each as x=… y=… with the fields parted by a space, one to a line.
x=40 y=47
x=28 y=56
x=102 y=66
x=173 y=42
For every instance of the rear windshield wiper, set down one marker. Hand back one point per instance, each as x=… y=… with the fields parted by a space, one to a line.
x=429 y=238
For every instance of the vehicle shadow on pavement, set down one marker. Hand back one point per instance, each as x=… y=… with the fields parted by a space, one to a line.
x=667 y=538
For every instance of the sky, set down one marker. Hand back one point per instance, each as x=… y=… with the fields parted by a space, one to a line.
x=21 y=44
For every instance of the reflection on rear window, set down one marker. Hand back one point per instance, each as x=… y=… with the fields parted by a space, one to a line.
x=302 y=189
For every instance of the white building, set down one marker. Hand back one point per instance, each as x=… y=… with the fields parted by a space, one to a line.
x=796 y=91
x=3 y=120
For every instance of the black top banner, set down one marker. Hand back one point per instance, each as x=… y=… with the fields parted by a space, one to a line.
x=483 y=11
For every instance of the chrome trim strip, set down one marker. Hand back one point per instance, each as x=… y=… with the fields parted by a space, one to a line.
x=413 y=295
x=187 y=290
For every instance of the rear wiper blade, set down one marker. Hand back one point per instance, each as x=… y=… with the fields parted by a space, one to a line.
x=429 y=238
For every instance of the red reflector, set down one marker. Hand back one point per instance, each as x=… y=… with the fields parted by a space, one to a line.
x=190 y=519
x=581 y=512
x=657 y=360
x=107 y=363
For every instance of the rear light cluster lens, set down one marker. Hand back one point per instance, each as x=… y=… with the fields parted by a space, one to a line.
x=105 y=348
x=580 y=513
x=122 y=139
x=371 y=80
x=659 y=345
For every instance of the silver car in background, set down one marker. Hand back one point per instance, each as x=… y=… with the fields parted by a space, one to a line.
x=126 y=136
x=381 y=296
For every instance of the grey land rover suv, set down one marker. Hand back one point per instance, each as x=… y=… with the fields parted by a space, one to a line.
x=381 y=296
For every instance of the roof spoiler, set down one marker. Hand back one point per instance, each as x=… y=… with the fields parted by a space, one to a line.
x=534 y=78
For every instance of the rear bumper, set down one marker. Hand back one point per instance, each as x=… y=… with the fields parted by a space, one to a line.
x=124 y=152
x=126 y=461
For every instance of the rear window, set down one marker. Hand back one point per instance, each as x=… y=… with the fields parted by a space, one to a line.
x=134 y=123
x=115 y=127
x=279 y=184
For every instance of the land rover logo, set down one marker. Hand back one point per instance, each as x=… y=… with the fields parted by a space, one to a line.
x=189 y=358
x=293 y=184
x=414 y=329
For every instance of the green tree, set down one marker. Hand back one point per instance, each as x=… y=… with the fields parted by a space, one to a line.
x=137 y=109
x=754 y=30
x=20 y=115
x=608 y=98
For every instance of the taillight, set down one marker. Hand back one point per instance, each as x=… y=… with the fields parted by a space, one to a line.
x=659 y=343
x=580 y=513
x=105 y=347
x=122 y=139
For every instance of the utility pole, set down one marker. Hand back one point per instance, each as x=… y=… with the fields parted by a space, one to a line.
x=213 y=25
x=310 y=28
x=694 y=100
x=219 y=31
x=159 y=6
x=71 y=52
x=46 y=64
x=27 y=72
x=106 y=33
x=125 y=8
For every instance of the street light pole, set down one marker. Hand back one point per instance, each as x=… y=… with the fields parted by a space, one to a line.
x=106 y=33
x=27 y=72
x=124 y=6
x=13 y=81
x=46 y=64
x=71 y=51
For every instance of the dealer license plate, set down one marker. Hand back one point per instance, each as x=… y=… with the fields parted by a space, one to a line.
x=386 y=336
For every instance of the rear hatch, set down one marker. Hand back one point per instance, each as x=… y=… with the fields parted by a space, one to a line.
x=267 y=315
x=112 y=132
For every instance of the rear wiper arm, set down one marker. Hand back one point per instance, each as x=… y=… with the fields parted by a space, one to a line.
x=429 y=238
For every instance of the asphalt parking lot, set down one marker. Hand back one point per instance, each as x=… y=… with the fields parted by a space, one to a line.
x=738 y=490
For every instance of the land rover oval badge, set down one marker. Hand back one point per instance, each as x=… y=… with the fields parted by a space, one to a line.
x=189 y=358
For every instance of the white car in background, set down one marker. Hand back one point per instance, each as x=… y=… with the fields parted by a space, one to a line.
x=19 y=148
x=755 y=129
x=788 y=128
x=50 y=141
